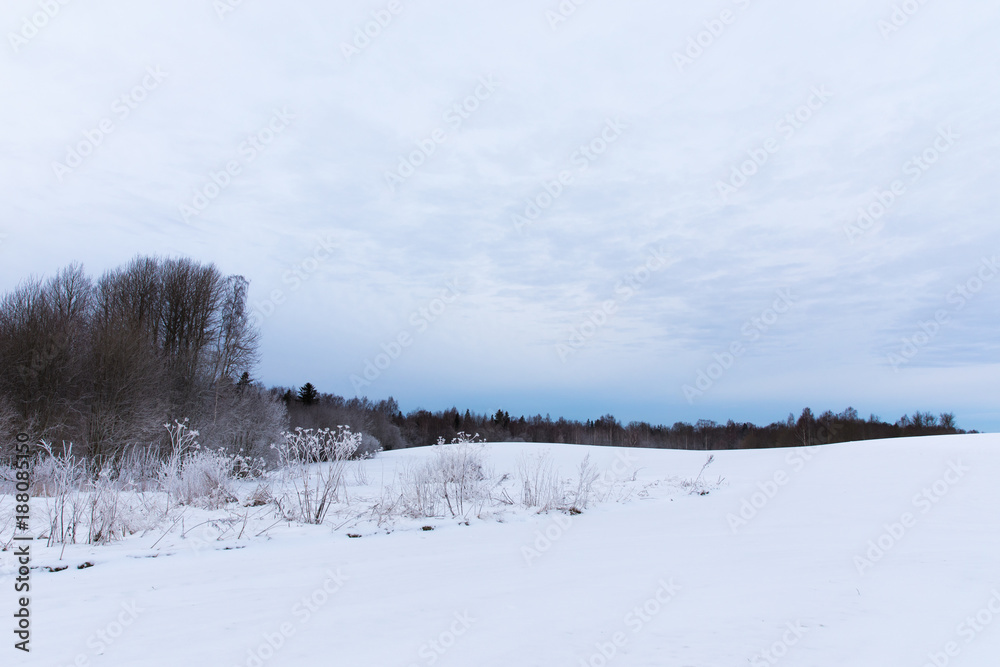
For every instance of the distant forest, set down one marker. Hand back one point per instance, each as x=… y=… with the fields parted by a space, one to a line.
x=106 y=363
x=308 y=408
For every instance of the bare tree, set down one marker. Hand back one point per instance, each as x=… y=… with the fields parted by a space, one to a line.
x=128 y=401
x=42 y=332
x=237 y=338
x=191 y=296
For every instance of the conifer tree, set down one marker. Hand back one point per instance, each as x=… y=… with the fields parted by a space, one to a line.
x=308 y=395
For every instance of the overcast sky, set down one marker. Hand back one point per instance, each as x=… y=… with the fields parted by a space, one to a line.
x=644 y=208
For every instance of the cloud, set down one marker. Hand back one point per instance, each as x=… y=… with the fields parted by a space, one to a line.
x=752 y=87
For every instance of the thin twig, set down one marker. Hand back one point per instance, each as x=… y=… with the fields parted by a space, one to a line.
x=168 y=530
x=269 y=527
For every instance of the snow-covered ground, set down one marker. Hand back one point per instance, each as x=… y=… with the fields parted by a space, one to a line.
x=882 y=553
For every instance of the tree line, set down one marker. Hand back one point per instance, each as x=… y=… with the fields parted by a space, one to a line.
x=423 y=427
x=105 y=363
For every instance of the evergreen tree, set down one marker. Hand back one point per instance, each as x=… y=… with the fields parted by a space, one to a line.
x=308 y=395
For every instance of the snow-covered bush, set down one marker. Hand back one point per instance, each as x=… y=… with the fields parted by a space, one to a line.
x=456 y=481
x=8 y=479
x=95 y=507
x=586 y=476
x=543 y=488
x=60 y=479
x=113 y=512
x=196 y=475
x=55 y=475
x=369 y=447
x=137 y=468
x=539 y=482
x=312 y=463
x=201 y=476
x=261 y=495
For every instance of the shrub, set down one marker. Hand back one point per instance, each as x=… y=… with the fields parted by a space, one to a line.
x=539 y=482
x=456 y=480
x=195 y=475
x=700 y=487
x=192 y=474
x=587 y=476
x=368 y=448
x=96 y=508
x=313 y=463
x=201 y=476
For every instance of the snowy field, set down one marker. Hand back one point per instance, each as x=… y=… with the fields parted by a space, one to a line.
x=883 y=553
